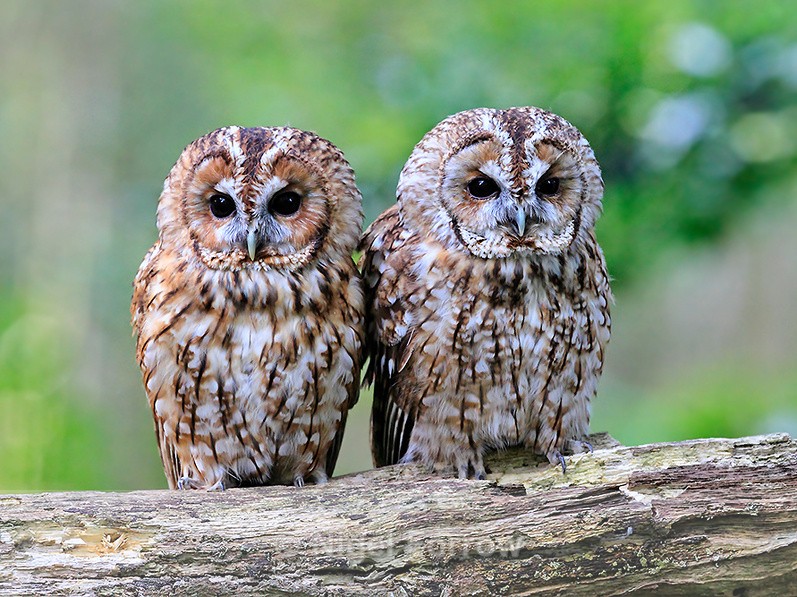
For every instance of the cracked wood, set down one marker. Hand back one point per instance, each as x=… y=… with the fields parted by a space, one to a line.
x=703 y=517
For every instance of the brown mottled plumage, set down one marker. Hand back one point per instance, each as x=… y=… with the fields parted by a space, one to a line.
x=487 y=296
x=249 y=309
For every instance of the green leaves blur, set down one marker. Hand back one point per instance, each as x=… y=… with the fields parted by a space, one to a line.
x=689 y=105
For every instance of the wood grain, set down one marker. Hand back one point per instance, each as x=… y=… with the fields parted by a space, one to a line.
x=703 y=517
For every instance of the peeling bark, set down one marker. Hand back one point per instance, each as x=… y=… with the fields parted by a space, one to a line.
x=703 y=517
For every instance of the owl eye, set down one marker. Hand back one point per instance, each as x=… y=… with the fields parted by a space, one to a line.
x=285 y=204
x=482 y=187
x=222 y=205
x=548 y=186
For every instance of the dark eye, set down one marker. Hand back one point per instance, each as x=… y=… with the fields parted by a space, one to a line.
x=285 y=204
x=548 y=186
x=482 y=187
x=222 y=205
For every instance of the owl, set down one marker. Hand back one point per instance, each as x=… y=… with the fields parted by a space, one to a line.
x=487 y=297
x=249 y=311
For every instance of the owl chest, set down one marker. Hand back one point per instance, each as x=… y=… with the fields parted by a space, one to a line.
x=515 y=340
x=482 y=340
x=239 y=360
x=235 y=347
x=507 y=365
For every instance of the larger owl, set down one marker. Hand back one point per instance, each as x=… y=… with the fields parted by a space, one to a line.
x=487 y=295
x=249 y=309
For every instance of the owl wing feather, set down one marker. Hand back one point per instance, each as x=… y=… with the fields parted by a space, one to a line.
x=388 y=287
x=149 y=293
x=353 y=392
x=141 y=289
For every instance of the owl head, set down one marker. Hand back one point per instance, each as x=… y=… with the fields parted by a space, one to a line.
x=255 y=198
x=503 y=183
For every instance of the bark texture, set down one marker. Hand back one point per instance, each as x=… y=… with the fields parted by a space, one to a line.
x=704 y=517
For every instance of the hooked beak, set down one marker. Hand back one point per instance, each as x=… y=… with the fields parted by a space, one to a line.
x=520 y=221
x=251 y=244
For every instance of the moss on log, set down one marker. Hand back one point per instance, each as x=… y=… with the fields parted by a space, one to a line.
x=703 y=517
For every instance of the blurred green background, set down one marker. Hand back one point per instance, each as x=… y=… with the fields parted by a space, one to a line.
x=689 y=105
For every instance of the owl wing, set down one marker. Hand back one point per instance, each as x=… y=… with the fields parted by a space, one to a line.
x=352 y=388
x=141 y=298
x=151 y=290
x=388 y=288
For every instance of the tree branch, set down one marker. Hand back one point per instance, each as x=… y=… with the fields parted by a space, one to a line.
x=704 y=517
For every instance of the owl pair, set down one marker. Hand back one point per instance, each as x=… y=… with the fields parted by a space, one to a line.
x=482 y=304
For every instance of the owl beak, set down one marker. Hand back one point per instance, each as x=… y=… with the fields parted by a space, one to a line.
x=251 y=244
x=520 y=221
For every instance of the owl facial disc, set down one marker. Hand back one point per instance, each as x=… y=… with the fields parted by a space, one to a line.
x=502 y=183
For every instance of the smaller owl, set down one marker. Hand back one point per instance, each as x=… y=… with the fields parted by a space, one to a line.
x=249 y=310
x=487 y=295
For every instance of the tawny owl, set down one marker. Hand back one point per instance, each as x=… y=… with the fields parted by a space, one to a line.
x=249 y=309
x=487 y=297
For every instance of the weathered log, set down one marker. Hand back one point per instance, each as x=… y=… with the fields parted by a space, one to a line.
x=704 y=517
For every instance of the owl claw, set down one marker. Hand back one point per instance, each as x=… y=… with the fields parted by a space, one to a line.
x=478 y=471
x=298 y=481
x=185 y=483
x=471 y=468
x=217 y=486
x=319 y=477
x=574 y=446
x=555 y=457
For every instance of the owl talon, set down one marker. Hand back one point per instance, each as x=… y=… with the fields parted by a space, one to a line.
x=478 y=471
x=469 y=464
x=319 y=477
x=217 y=486
x=185 y=483
x=298 y=481
x=575 y=446
x=555 y=457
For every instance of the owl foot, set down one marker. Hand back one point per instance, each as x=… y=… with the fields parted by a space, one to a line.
x=319 y=476
x=478 y=475
x=217 y=486
x=574 y=446
x=471 y=463
x=184 y=483
x=298 y=481
x=466 y=462
x=555 y=457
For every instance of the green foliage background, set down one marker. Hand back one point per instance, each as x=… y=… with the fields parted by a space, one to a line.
x=689 y=105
